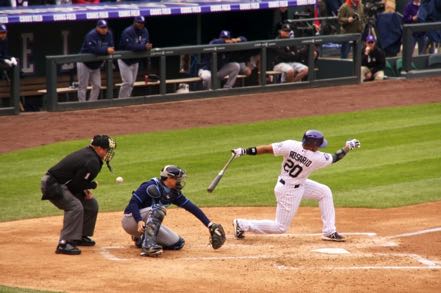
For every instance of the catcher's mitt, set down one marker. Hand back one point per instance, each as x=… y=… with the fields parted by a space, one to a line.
x=217 y=235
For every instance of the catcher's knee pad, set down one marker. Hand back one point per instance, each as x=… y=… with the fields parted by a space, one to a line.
x=153 y=223
x=177 y=246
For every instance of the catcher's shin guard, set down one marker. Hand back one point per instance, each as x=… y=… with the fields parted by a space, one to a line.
x=152 y=225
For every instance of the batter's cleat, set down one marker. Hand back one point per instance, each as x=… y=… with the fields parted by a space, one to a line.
x=334 y=237
x=67 y=248
x=152 y=251
x=84 y=241
x=238 y=232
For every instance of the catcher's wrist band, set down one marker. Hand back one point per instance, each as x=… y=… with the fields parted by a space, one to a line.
x=251 y=151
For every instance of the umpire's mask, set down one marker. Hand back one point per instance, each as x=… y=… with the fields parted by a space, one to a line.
x=107 y=143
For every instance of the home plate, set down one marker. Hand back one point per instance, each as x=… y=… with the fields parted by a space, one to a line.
x=331 y=250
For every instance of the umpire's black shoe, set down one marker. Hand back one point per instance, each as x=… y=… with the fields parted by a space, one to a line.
x=67 y=248
x=84 y=241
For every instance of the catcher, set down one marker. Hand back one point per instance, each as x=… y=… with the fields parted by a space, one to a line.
x=146 y=210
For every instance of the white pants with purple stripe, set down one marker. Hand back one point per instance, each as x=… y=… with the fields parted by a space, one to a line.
x=288 y=201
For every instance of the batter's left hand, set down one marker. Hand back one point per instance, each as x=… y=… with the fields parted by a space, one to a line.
x=238 y=152
x=353 y=143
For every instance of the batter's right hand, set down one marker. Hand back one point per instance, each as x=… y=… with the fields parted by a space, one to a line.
x=239 y=152
x=141 y=226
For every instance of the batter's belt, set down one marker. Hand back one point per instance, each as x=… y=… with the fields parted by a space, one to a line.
x=283 y=182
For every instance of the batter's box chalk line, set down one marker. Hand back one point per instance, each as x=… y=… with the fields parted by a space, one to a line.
x=300 y=235
x=426 y=264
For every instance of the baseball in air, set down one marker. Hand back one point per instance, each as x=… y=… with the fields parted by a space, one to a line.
x=119 y=179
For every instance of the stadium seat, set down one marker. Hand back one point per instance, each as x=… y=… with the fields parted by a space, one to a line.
x=399 y=66
x=389 y=70
x=434 y=61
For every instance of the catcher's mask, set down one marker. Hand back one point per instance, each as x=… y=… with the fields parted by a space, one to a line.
x=107 y=143
x=315 y=138
x=172 y=171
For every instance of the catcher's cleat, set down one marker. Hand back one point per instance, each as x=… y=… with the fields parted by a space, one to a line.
x=138 y=240
x=153 y=250
x=238 y=232
x=334 y=237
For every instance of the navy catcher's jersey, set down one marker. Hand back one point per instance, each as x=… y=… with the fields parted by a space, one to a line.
x=142 y=199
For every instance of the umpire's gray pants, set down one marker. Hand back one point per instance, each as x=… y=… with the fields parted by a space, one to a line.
x=128 y=77
x=85 y=74
x=230 y=69
x=79 y=214
x=165 y=237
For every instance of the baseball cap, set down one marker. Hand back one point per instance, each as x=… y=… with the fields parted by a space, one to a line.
x=285 y=27
x=3 y=28
x=370 y=38
x=101 y=23
x=225 y=35
x=140 y=19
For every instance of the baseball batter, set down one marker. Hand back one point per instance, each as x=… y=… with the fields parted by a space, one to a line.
x=300 y=159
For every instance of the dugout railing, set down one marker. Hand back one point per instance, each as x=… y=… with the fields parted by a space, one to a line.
x=13 y=106
x=408 y=70
x=53 y=63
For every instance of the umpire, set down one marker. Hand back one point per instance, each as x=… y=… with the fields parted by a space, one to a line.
x=67 y=185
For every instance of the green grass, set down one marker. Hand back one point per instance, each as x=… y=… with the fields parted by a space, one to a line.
x=4 y=289
x=399 y=162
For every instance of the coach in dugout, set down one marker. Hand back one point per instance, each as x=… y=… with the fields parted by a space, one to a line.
x=98 y=41
x=134 y=38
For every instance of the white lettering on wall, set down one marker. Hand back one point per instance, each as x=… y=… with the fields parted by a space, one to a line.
x=26 y=42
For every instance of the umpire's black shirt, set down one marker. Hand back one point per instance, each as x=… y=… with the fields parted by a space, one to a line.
x=78 y=170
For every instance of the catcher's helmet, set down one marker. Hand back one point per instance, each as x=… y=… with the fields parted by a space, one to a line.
x=172 y=171
x=315 y=138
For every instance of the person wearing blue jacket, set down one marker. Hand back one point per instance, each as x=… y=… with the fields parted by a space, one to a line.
x=134 y=38
x=98 y=41
x=226 y=66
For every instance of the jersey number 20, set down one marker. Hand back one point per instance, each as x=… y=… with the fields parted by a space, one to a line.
x=292 y=169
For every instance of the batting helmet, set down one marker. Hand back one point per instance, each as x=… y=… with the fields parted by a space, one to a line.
x=172 y=171
x=315 y=138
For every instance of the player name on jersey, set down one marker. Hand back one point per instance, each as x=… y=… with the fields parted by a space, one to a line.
x=299 y=158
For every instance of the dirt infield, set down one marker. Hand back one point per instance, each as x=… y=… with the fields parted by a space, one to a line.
x=390 y=250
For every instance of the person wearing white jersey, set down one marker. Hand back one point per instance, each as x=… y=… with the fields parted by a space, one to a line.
x=300 y=159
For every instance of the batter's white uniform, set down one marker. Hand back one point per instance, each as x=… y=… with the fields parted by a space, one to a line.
x=293 y=185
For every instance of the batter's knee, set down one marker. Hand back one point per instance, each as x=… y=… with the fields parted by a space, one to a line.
x=327 y=192
x=280 y=228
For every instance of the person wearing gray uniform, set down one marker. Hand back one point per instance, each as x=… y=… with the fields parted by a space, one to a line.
x=134 y=38
x=68 y=185
x=98 y=41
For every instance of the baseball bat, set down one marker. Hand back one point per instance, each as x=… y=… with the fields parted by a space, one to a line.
x=219 y=176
